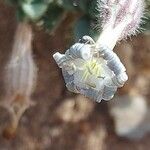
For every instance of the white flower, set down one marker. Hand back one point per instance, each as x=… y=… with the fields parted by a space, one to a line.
x=95 y=73
x=93 y=69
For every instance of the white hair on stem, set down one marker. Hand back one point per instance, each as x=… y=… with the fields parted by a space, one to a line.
x=119 y=20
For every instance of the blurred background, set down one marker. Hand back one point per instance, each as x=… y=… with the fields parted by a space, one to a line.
x=61 y=120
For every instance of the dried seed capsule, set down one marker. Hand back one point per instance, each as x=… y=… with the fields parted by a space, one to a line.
x=20 y=75
x=21 y=70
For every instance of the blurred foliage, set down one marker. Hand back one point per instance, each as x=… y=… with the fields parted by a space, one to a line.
x=85 y=26
x=147 y=15
x=51 y=20
x=48 y=13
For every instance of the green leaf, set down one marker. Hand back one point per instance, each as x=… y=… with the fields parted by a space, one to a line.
x=94 y=9
x=34 y=10
x=21 y=16
x=67 y=5
x=84 y=27
x=12 y=2
x=83 y=5
x=52 y=17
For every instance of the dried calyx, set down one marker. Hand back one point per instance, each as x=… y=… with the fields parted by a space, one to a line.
x=20 y=77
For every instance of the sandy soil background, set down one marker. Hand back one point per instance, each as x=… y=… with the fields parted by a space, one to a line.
x=61 y=120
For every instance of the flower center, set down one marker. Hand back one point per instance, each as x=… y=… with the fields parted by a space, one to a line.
x=91 y=67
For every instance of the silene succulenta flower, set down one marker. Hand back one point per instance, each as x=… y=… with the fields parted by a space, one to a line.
x=92 y=68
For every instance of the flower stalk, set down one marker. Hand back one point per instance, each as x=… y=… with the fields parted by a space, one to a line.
x=120 y=19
